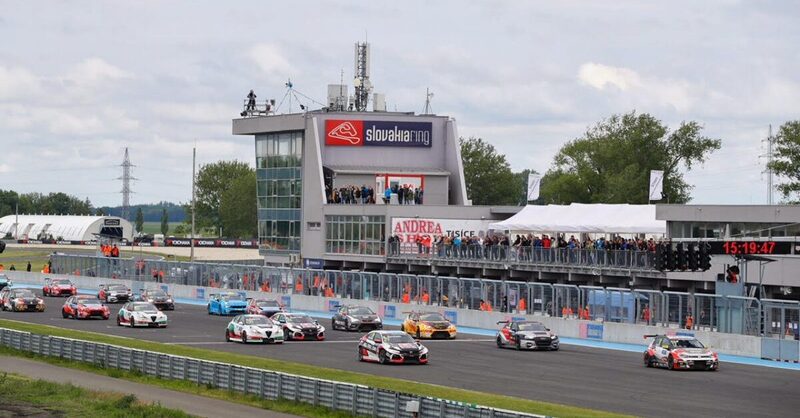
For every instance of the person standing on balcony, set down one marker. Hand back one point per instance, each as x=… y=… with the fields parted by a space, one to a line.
x=251 y=101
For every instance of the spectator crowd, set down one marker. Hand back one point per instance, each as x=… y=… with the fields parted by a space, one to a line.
x=352 y=194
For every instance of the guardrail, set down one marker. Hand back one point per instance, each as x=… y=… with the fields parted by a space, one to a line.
x=356 y=399
x=708 y=312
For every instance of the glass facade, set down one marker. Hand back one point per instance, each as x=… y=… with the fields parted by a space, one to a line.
x=279 y=191
x=723 y=230
x=354 y=234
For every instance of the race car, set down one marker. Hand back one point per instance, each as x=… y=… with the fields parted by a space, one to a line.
x=59 y=287
x=110 y=293
x=253 y=328
x=141 y=314
x=298 y=326
x=5 y=281
x=355 y=318
x=266 y=307
x=428 y=325
x=84 y=307
x=20 y=300
x=391 y=347
x=526 y=335
x=678 y=352
x=226 y=303
x=158 y=297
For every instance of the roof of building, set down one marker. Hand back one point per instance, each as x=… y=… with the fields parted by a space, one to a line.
x=383 y=170
x=591 y=218
x=67 y=227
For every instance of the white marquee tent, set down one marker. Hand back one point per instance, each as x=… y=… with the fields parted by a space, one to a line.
x=65 y=227
x=589 y=218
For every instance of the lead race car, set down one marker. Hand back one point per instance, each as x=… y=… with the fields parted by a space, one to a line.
x=110 y=293
x=158 y=297
x=253 y=328
x=679 y=352
x=526 y=335
x=391 y=347
x=265 y=307
x=59 y=287
x=355 y=318
x=141 y=314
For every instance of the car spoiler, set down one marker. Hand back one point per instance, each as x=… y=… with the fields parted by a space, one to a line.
x=650 y=336
x=102 y=285
x=503 y=322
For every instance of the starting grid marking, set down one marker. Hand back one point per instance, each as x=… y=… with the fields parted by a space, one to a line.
x=331 y=342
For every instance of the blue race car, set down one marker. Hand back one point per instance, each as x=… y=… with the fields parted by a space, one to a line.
x=227 y=303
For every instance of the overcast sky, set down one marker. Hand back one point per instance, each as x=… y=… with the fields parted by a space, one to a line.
x=80 y=81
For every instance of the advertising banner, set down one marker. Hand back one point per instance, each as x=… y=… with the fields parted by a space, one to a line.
x=407 y=229
x=356 y=133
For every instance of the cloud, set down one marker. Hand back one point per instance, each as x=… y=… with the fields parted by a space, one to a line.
x=5 y=168
x=17 y=83
x=633 y=89
x=94 y=70
x=270 y=60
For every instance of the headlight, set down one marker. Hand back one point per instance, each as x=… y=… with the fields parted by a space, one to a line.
x=169 y=300
x=553 y=337
x=355 y=320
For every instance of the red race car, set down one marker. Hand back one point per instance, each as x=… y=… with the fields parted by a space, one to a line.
x=266 y=307
x=84 y=307
x=59 y=287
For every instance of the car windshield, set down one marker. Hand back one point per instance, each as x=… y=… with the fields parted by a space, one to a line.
x=431 y=317
x=299 y=319
x=257 y=320
x=398 y=338
x=138 y=307
x=61 y=282
x=361 y=311
x=267 y=304
x=118 y=288
x=231 y=296
x=688 y=343
x=531 y=326
x=89 y=302
x=23 y=294
x=157 y=293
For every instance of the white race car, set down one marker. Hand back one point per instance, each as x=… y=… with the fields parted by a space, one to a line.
x=679 y=352
x=255 y=329
x=141 y=314
x=391 y=347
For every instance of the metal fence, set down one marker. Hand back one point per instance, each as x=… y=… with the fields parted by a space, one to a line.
x=504 y=254
x=731 y=314
x=356 y=399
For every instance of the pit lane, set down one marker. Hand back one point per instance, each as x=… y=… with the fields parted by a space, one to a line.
x=581 y=376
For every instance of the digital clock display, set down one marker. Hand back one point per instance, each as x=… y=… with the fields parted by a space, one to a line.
x=750 y=247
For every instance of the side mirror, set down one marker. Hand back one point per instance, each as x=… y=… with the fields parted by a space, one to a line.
x=547 y=329
x=378 y=341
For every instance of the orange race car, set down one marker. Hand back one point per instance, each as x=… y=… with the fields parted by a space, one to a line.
x=428 y=325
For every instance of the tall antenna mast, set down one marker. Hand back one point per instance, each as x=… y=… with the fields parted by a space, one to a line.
x=770 y=141
x=363 y=86
x=428 y=97
x=126 y=185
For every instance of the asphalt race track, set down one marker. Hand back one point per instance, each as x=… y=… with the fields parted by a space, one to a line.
x=588 y=377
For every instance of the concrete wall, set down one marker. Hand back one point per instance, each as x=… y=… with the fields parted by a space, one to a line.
x=735 y=344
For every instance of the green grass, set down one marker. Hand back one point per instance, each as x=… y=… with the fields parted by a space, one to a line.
x=21 y=396
x=399 y=385
x=19 y=257
x=155 y=227
x=280 y=405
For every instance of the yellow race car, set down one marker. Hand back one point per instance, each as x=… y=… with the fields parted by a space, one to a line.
x=428 y=325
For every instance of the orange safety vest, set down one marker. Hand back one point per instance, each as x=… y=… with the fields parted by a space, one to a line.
x=406 y=298
x=689 y=322
x=564 y=312
x=425 y=298
x=329 y=292
x=298 y=287
x=521 y=305
x=316 y=282
x=114 y=252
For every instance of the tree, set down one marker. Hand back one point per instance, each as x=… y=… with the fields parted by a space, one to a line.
x=164 y=222
x=786 y=159
x=180 y=230
x=488 y=175
x=139 y=220
x=212 y=181
x=238 y=210
x=611 y=163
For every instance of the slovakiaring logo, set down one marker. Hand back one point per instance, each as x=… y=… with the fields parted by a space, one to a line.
x=378 y=133
x=344 y=132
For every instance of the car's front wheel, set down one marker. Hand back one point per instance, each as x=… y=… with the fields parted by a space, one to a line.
x=382 y=357
x=670 y=363
x=244 y=337
x=64 y=314
x=499 y=343
x=648 y=361
x=286 y=335
x=360 y=354
x=227 y=336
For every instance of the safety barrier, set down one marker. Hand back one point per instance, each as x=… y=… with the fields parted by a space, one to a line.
x=696 y=311
x=356 y=399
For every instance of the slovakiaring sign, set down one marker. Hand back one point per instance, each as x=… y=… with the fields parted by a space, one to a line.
x=407 y=229
x=356 y=133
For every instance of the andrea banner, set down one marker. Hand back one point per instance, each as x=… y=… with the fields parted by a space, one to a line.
x=408 y=229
